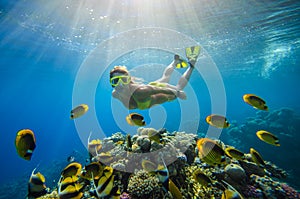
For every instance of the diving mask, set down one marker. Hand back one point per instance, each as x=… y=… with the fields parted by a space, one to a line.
x=124 y=79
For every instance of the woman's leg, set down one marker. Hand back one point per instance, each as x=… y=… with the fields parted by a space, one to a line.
x=184 y=78
x=168 y=71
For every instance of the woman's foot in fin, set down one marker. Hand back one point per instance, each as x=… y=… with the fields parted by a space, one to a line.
x=192 y=54
x=179 y=62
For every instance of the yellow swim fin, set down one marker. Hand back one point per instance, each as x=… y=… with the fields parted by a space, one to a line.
x=180 y=63
x=192 y=54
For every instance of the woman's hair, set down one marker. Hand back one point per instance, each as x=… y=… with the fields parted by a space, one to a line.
x=118 y=69
x=123 y=70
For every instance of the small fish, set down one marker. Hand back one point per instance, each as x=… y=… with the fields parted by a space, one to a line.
x=234 y=153
x=71 y=159
x=64 y=182
x=268 y=137
x=25 y=143
x=36 y=185
x=210 y=151
x=229 y=192
x=148 y=166
x=72 y=169
x=154 y=136
x=255 y=101
x=92 y=171
x=105 y=185
x=256 y=157
x=135 y=119
x=94 y=146
x=164 y=178
x=73 y=190
x=79 y=111
x=162 y=172
x=217 y=121
x=105 y=158
x=201 y=178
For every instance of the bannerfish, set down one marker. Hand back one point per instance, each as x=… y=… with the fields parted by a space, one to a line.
x=217 y=121
x=79 y=111
x=135 y=119
x=94 y=146
x=167 y=184
x=268 y=137
x=69 y=187
x=255 y=101
x=36 y=185
x=104 y=186
x=229 y=192
x=25 y=143
x=162 y=173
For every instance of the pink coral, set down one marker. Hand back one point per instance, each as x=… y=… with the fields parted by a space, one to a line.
x=252 y=192
x=290 y=192
x=125 y=196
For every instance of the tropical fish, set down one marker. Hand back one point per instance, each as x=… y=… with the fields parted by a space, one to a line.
x=36 y=185
x=268 y=137
x=70 y=189
x=72 y=169
x=25 y=143
x=174 y=190
x=229 y=192
x=104 y=186
x=255 y=101
x=256 y=157
x=155 y=136
x=210 y=151
x=217 y=121
x=64 y=182
x=168 y=185
x=105 y=158
x=71 y=158
x=148 y=166
x=201 y=178
x=92 y=171
x=135 y=119
x=94 y=146
x=79 y=111
x=234 y=153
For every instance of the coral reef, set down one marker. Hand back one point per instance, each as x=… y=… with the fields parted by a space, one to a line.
x=178 y=152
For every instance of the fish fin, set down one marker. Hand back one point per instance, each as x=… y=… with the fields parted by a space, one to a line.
x=192 y=54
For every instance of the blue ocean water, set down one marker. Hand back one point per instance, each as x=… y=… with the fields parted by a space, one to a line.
x=57 y=54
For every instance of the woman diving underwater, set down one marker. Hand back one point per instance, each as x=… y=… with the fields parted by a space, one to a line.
x=135 y=95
